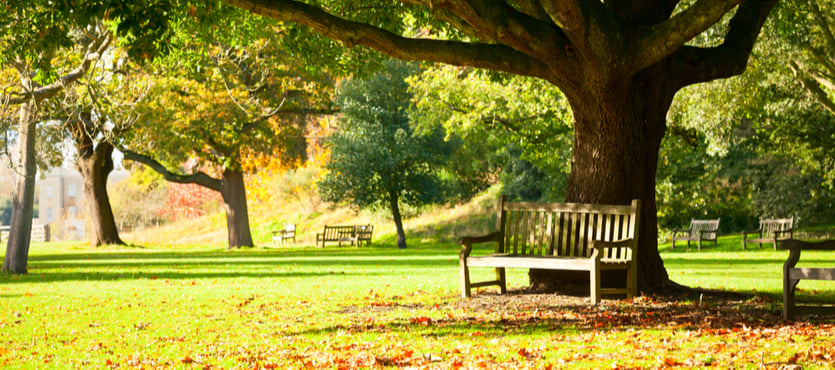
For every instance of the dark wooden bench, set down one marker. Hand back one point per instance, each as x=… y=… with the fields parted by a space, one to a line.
x=287 y=233
x=771 y=230
x=559 y=236
x=339 y=234
x=792 y=275
x=700 y=230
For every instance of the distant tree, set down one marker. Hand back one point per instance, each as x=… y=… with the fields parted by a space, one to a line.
x=376 y=158
x=37 y=81
x=223 y=98
x=35 y=34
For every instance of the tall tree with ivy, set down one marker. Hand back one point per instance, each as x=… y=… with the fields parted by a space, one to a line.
x=376 y=157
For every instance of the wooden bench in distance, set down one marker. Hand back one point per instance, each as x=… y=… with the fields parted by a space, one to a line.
x=707 y=230
x=335 y=234
x=771 y=230
x=287 y=233
x=559 y=236
x=792 y=275
x=362 y=233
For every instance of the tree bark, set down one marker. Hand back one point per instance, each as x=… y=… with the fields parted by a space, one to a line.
x=95 y=165
x=398 y=220
x=20 y=230
x=231 y=187
x=95 y=162
x=237 y=214
x=617 y=136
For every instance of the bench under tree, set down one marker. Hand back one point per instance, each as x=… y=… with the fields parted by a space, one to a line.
x=771 y=230
x=558 y=236
x=700 y=230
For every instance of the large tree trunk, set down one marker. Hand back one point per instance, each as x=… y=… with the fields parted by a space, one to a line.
x=617 y=137
x=20 y=230
x=398 y=220
x=95 y=166
x=237 y=215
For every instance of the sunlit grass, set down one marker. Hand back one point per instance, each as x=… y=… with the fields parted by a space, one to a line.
x=204 y=307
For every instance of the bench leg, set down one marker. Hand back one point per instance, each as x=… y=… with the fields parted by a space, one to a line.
x=631 y=281
x=594 y=285
x=500 y=276
x=700 y=245
x=465 y=278
x=789 y=286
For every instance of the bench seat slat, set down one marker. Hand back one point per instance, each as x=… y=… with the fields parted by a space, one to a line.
x=811 y=273
x=566 y=263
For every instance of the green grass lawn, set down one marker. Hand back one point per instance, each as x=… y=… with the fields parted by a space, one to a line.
x=297 y=307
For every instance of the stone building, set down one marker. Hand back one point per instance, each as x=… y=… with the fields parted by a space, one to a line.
x=62 y=204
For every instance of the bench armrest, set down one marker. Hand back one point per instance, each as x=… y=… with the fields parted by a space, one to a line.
x=677 y=231
x=468 y=241
x=599 y=245
x=757 y=231
x=794 y=244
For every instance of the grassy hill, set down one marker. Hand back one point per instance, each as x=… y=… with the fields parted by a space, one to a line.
x=435 y=223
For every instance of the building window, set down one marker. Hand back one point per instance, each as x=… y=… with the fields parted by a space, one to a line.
x=49 y=215
x=49 y=192
x=71 y=190
x=71 y=212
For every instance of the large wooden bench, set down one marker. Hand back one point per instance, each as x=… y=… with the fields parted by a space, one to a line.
x=559 y=236
x=792 y=275
x=771 y=230
x=333 y=233
x=700 y=230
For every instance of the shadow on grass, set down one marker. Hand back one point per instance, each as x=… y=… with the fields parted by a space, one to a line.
x=254 y=263
x=43 y=276
x=525 y=314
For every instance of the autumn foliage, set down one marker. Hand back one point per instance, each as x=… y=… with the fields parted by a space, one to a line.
x=188 y=201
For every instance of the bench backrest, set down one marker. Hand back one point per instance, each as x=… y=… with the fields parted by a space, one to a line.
x=565 y=229
x=332 y=232
x=769 y=225
x=710 y=228
x=364 y=231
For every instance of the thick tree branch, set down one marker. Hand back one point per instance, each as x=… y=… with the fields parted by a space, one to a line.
x=695 y=65
x=825 y=61
x=94 y=51
x=495 y=57
x=829 y=39
x=813 y=86
x=499 y=21
x=534 y=9
x=567 y=14
x=198 y=178
x=662 y=40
